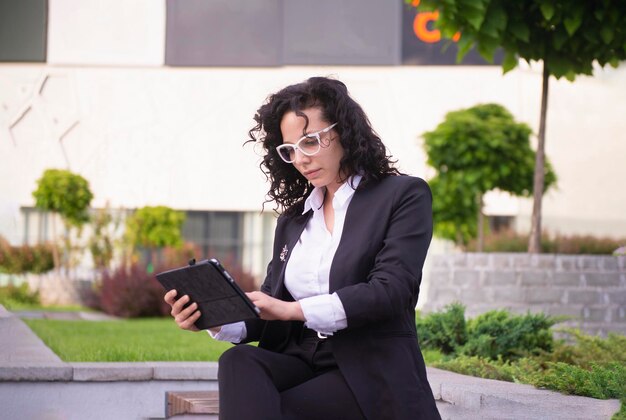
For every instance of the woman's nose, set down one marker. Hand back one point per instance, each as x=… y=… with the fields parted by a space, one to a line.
x=300 y=158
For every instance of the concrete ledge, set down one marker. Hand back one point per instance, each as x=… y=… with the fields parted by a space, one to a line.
x=106 y=372
x=184 y=370
x=498 y=399
x=109 y=371
x=35 y=372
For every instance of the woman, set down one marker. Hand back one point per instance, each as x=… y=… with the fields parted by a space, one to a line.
x=337 y=334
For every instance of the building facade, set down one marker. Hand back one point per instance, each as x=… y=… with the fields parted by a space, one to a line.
x=151 y=101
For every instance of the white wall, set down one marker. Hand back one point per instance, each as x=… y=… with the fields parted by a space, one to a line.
x=173 y=136
x=106 y=32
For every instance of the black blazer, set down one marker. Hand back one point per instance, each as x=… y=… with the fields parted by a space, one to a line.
x=376 y=272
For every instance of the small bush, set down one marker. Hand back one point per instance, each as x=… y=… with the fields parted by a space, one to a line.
x=130 y=293
x=481 y=367
x=445 y=330
x=11 y=296
x=499 y=334
x=589 y=349
x=171 y=256
x=23 y=259
x=511 y=241
x=600 y=381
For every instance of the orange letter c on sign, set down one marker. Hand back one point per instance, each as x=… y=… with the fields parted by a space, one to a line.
x=420 y=28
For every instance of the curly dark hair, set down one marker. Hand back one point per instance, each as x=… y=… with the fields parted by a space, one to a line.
x=364 y=152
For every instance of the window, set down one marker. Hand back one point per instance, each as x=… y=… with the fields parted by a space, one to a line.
x=217 y=234
x=500 y=223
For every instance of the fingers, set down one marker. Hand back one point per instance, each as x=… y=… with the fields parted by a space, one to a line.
x=255 y=296
x=188 y=323
x=185 y=313
x=179 y=304
x=170 y=296
x=184 y=317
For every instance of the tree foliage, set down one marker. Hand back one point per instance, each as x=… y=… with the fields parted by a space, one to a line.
x=153 y=227
x=65 y=193
x=568 y=35
x=474 y=151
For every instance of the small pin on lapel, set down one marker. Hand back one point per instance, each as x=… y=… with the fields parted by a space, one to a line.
x=283 y=253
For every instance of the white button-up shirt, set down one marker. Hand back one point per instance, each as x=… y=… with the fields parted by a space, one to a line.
x=308 y=269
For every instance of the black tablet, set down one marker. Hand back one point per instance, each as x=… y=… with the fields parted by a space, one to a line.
x=219 y=298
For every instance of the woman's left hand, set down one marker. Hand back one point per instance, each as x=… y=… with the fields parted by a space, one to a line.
x=275 y=309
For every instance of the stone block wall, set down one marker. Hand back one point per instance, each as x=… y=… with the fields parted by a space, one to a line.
x=589 y=289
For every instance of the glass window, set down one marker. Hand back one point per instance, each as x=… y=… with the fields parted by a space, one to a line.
x=217 y=234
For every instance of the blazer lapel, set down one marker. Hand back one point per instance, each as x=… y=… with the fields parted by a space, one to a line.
x=352 y=225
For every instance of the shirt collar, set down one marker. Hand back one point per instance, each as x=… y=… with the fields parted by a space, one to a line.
x=344 y=192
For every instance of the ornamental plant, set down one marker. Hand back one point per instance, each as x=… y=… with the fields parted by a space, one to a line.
x=567 y=36
x=476 y=150
x=155 y=227
x=68 y=195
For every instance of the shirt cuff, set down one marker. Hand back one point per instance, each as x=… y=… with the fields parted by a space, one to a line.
x=324 y=313
x=233 y=333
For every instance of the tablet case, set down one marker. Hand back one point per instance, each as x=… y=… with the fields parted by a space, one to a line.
x=207 y=283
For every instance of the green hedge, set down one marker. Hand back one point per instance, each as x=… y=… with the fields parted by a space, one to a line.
x=520 y=348
x=35 y=259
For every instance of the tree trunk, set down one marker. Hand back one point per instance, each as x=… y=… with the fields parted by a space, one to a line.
x=534 y=242
x=55 y=246
x=481 y=236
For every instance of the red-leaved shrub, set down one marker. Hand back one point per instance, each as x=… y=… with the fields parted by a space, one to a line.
x=132 y=292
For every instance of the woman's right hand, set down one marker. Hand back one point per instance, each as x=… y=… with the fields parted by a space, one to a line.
x=186 y=317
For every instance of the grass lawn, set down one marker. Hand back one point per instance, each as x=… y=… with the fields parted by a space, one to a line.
x=133 y=340
x=20 y=306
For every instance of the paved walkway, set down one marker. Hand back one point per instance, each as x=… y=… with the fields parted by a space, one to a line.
x=24 y=357
x=65 y=316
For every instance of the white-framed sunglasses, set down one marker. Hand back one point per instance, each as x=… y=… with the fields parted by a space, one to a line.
x=310 y=144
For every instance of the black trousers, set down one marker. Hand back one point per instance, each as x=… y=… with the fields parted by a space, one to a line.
x=303 y=382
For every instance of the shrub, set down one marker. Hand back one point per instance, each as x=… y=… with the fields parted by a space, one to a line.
x=171 y=256
x=491 y=335
x=65 y=193
x=443 y=330
x=479 y=366
x=511 y=241
x=588 y=349
x=131 y=292
x=23 y=259
x=499 y=334
x=154 y=227
x=600 y=381
x=11 y=296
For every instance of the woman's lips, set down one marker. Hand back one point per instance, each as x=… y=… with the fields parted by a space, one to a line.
x=311 y=174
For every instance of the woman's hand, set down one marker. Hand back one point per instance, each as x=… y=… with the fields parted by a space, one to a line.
x=276 y=309
x=184 y=318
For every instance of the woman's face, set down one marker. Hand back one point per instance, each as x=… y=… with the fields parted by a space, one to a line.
x=321 y=169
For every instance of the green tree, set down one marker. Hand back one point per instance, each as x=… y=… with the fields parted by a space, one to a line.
x=68 y=195
x=568 y=36
x=474 y=151
x=155 y=227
